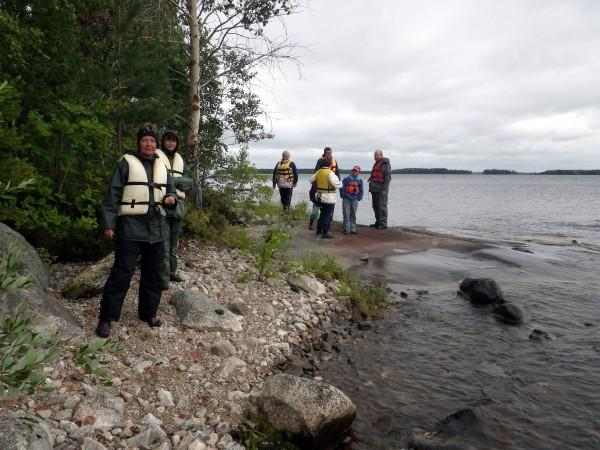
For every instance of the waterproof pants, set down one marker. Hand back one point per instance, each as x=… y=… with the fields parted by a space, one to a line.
x=286 y=197
x=117 y=285
x=349 y=207
x=169 y=265
x=325 y=218
x=380 y=200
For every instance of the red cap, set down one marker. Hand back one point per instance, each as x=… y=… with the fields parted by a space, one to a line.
x=357 y=168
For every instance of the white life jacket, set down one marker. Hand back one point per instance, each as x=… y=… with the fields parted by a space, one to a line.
x=176 y=170
x=136 y=193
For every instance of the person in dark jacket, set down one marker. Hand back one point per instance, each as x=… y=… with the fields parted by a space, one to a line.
x=133 y=214
x=285 y=177
x=352 y=193
x=169 y=152
x=379 y=186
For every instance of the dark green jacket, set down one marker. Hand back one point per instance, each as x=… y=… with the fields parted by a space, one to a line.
x=150 y=227
x=183 y=183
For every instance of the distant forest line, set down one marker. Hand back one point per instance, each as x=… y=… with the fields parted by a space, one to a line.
x=443 y=171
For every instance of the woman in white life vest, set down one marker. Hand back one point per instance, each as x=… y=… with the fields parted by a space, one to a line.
x=133 y=214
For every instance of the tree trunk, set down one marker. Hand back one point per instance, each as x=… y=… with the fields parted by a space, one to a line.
x=194 y=97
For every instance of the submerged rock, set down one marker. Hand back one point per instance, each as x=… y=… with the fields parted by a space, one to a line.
x=539 y=335
x=481 y=291
x=313 y=411
x=91 y=281
x=23 y=432
x=306 y=283
x=195 y=310
x=449 y=433
x=509 y=313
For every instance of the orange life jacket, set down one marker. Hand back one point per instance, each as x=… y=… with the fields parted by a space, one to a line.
x=353 y=187
x=377 y=172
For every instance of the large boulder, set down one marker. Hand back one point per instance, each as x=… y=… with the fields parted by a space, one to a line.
x=481 y=291
x=315 y=412
x=90 y=282
x=306 y=283
x=23 y=432
x=48 y=314
x=195 y=310
x=508 y=313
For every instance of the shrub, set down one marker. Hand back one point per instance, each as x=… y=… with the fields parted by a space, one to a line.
x=272 y=243
x=323 y=266
x=10 y=272
x=90 y=357
x=262 y=436
x=367 y=298
x=23 y=354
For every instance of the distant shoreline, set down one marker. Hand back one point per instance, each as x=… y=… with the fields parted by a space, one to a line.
x=443 y=171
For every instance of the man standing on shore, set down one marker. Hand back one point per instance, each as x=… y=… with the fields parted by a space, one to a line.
x=379 y=185
x=285 y=177
x=133 y=215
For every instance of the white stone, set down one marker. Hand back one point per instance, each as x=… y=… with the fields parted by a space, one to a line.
x=166 y=398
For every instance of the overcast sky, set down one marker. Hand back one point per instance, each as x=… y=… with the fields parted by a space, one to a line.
x=439 y=83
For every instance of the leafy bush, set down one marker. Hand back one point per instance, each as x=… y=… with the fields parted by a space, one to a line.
x=23 y=354
x=10 y=272
x=262 y=436
x=369 y=299
x=237 y=237
x=90 y=357
x=272 y=243
x=325 y=267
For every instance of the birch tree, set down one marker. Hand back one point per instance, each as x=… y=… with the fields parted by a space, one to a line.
x=226 y=41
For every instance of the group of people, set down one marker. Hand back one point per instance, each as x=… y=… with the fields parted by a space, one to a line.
x=325 y=184
x=145 y=203
x=142 y=212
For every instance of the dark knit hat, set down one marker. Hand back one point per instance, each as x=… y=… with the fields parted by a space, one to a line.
x=146 y=130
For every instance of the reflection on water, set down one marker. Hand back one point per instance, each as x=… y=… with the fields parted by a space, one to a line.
x=435 y=354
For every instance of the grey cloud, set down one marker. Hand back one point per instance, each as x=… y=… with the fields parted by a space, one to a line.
x=471 y=84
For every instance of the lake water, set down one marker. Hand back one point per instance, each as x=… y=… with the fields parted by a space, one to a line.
x=434 y=354
x=515 y=207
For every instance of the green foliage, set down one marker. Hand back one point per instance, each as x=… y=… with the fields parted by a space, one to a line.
x=369 y=299
x=237 y=237
x=272 y=243
x=90 y=357
x=260 y=435
x=10 y=272
x=323 y=266
x=23 y=354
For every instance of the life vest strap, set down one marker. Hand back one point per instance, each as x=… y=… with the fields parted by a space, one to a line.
x=144 y=183
x=133 y=203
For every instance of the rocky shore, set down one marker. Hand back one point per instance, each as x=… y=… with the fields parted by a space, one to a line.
x=187 y=384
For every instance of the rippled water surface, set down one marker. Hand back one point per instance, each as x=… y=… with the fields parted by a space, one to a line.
x=434 y=354
x=490 y=206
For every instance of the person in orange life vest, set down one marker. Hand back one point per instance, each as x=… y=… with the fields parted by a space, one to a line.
x=285 y=176
x=327 y=184
x=379 y=186
x=327 y=160
x=133 y=214
x=352 y=193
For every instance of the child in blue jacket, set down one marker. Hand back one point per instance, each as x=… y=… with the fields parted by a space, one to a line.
x=352 y=193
